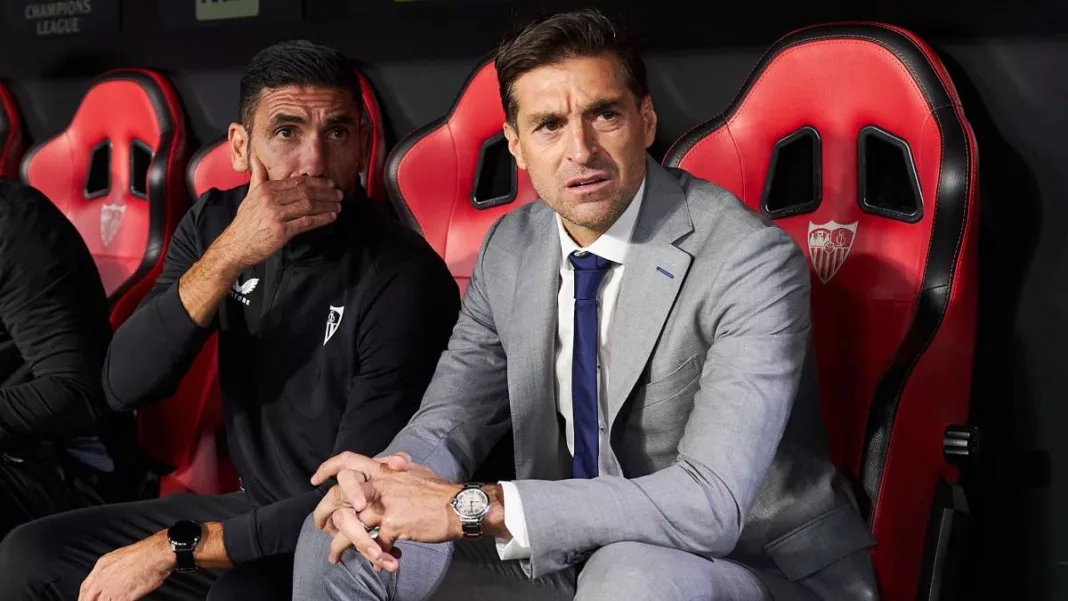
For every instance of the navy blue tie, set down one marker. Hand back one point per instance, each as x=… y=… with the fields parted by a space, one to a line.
x=589 y=273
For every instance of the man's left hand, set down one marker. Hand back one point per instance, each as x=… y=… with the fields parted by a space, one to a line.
x=130 y=572
x=405 y=501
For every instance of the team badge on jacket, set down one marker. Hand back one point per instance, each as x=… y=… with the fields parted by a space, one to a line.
x=110 y=220
x=333 y=320
x=829 y=245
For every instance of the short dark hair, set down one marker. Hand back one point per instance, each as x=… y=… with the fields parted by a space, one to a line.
x=295 y=63
x=582 y=33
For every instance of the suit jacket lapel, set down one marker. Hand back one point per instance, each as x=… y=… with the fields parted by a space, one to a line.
x=654 y=272
x=532 y=360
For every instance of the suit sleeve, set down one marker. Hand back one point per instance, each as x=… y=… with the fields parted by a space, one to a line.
x=748 y=383
x=153 y=349
x=53 y=306
x=465 y=410
x=402 y=333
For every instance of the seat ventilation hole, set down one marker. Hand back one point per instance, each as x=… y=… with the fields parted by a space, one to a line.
x=98 y=179
x=140 y=161
x=794 y=183
x=496 y=175
x=886 y=176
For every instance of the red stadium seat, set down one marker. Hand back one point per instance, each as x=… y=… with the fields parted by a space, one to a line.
x=852 y=138
x=10 y=136
x=116 y=173
x=453 y=178
x=210 y=167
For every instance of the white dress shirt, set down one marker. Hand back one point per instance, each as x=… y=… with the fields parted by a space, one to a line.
x=612 y=245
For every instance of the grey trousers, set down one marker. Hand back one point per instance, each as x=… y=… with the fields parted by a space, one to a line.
x=464 y=571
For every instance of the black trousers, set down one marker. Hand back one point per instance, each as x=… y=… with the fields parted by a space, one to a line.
x=49 y=558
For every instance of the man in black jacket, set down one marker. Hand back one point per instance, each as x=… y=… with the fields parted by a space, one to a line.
x=54 y=333
x=331 y=318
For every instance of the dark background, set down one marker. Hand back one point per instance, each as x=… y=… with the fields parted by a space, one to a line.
x=1008 y=60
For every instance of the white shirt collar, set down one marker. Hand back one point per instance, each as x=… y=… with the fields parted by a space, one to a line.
x=613 y=244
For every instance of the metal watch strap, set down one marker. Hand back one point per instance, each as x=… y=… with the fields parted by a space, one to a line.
x=472 y=529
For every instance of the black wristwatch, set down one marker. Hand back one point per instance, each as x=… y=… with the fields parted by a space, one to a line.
x=471 y=504
x=184 y=536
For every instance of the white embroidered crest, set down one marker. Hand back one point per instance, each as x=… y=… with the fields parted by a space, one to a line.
x=829 y=245
x=110 y=221
x=333 y=320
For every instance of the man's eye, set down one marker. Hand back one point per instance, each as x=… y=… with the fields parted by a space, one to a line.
x=284 y=132
x=549 y=126
x=339 y=133
x=609 y=115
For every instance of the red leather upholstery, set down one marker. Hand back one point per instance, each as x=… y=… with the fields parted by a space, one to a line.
x=433 y=175
x=10 y=136
x=115 y=172
x=184 y=432
x=894 y=286
x=210 y=167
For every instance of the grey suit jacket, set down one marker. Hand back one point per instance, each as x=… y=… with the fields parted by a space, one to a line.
x=714 y=445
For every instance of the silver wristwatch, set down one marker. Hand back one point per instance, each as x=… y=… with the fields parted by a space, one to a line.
x=472 y=504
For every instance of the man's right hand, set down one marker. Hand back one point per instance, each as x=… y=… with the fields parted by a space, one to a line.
x=273 y=212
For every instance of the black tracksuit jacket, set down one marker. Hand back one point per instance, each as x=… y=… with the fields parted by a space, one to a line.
x=54 y=328
x=327 y=346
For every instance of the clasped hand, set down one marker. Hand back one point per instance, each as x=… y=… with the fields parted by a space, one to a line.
x=404 y=500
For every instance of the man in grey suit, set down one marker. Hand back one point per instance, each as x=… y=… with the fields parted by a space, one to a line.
x=647 y=339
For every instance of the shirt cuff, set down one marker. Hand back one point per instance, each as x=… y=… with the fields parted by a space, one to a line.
x=240 y=539
x=517 y=547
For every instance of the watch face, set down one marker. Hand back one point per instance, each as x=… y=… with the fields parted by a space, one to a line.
x=184 y=532
x=471 y=502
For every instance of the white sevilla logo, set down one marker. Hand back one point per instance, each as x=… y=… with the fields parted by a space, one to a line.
x=829 y=245
x=333 y=320
x=110 y=220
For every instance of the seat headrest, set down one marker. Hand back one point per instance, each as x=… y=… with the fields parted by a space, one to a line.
x=845 y=123
x=10 y=135
x=115 y=170
x=453 y=178
x=210 y=167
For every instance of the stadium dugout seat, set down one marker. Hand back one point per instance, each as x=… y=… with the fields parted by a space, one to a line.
x=116 y=173
x=210 y=167
x=451 y=179
x=851 y=137
x=10 y=136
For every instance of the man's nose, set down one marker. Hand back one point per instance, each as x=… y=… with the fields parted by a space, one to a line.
x=313 y=157
x=581 y=143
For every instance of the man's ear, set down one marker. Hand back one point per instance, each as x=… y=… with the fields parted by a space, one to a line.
x=649 y=120
x=513 y=145
x=238 y=139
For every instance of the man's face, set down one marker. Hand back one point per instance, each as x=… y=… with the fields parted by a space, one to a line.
x=581 y=134
x=302 y=131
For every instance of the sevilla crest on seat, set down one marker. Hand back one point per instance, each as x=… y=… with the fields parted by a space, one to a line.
x=10 y=136
x=851 y=137
x=451 y=179
x=115 y=172
x=211 y=167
